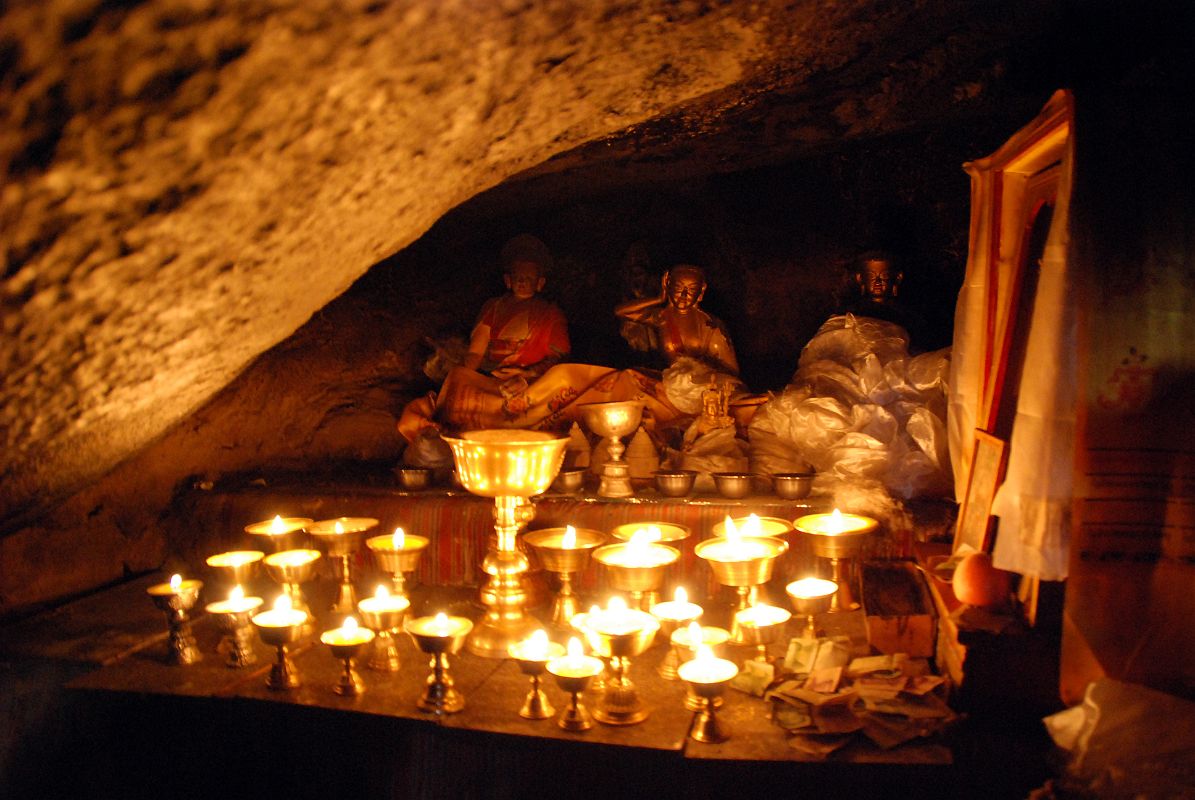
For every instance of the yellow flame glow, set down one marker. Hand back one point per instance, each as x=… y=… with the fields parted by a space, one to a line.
x=680 y=596
x=753 y=526
x=282 y=603
x=575 y=650
x=695 y=636
x=704 y=653
x=616 y=603
x=176 y=582
x=350 y=624
x=339 y=527
x=399 y=539
x=237 y=594
x=381 y=592
x=277 y=525
x=569 y=542
x=837 y=523
x=440 y=623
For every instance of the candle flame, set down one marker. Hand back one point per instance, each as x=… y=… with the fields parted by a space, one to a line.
x=569 y=542
x=440 y=623
x=282 y=603
x=732 y=533
x=539 y=638
x=339 y=527
x=695 y=636
x=574 y=648
x=381 y=592
x=704 y=653
x=237 y=594
x=176 y=582
x=277 y=525
x=640 y=544
x=350 y=624
x=837 y=523
x=616 y=603
x=753 y=526
x=680 y=596
x=399 y=539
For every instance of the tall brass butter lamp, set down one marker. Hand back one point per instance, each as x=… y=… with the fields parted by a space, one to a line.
x=509 y=466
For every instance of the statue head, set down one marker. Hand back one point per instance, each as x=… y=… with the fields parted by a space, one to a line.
x=525 y=264
x=684 y=286
x=877 y=276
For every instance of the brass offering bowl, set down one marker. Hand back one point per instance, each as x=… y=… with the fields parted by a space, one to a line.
x=743 y=563
x=669 y=531
x=233 y=616
x=707 y=679
x=792 y=485
x=279 y=628
x=733 y=485
x=573 y=674
x=675 y=482
x=619 y=635
x=612 y=421
x=280 y=533
x=811 y=596
x=176 y=599
x=532 y=658
x=569 y=480
x=684 y=643
x=341 y=538
x=637 y=568
x=291 y=569
x=548 y=545
x=346 y=643
x=760 y=626
x=439 y=637
x=414 y=479
x=671 y=616
x=768 y=526
x=397 y=555
x=384 y=615
x=236 y=567
x=840 y=538
x=510 y=466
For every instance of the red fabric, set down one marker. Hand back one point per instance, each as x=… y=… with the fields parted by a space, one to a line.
x=523 y=332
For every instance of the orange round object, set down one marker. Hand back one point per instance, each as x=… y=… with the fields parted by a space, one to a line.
x=977 y=583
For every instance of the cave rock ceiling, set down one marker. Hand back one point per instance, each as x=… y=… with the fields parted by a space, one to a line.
x=187 y=181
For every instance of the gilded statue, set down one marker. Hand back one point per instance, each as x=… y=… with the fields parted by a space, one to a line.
x=677 y=323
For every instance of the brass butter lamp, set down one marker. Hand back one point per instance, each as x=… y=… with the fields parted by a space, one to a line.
x=398 y=554
x=340 y=538
x=743 y=563
x=383 y=614
x=532 y=656
x=280 y=627
x=291 y=569
x=440 y=636
x=564 y=552
x=636 y=567
x=176 y=598
x=707 y=678
x=280 y=533
x=573 y=673
x=840 y=538
x=618 y=634
x=510 y=466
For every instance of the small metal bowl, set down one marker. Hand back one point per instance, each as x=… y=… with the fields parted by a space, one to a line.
x=792 y=485
x=733 y=485
x=675 y=482
x=569 y=480
x=414 y=478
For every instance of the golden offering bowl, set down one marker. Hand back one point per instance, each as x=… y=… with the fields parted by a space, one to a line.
x=686 y=649
x=291 y=568
x=731 y=570
x=510 y=466
x=620 y=703
x=397 y=560
x=342 y=542
x=236 y=567
x=707 y=687
x=829 y=541
x=177 y=600
x=341 y=538
x=612 y=421
x=636 y=569
x=548 y=544
x=281 y=533
x=346 y=648
x=533 y=664
x=768 y=526
x=439 y=638
x=278 y=634
x=507 y=463
x=384 y=616
x=669 y=531
x=811 y=596
x=233 y=619
x=840 y=538
x=668 y=625
x=574 y=679
x=760 y=626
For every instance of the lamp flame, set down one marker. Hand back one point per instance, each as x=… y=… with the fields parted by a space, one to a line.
x=704 y=653
x=381 y=592
x=695 y=635
x=616 y=603
x=837 y=523
x=575 y=650
x=569 y=541
x=176 y=582
x=350 y=624
x=399 y=539
x=339 y=527
x=277 y=525
x=680 y=596
x=237 y=594
x=282 y=603
x=753 y=526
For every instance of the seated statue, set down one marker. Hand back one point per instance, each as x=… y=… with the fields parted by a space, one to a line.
x=678 y=326
x=519 y=335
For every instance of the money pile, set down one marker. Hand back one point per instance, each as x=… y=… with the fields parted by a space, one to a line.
x=823 y=697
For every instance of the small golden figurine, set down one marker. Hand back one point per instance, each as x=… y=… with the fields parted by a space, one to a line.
x=681 y=327
x=715 y=407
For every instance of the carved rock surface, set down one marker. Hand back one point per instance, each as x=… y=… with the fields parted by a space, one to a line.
x=188 y=181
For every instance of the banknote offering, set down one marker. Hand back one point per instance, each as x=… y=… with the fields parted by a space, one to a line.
x=790 y=717
x=924 y=684
x=754 y=678
x=824 y=680
x=880 y=687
